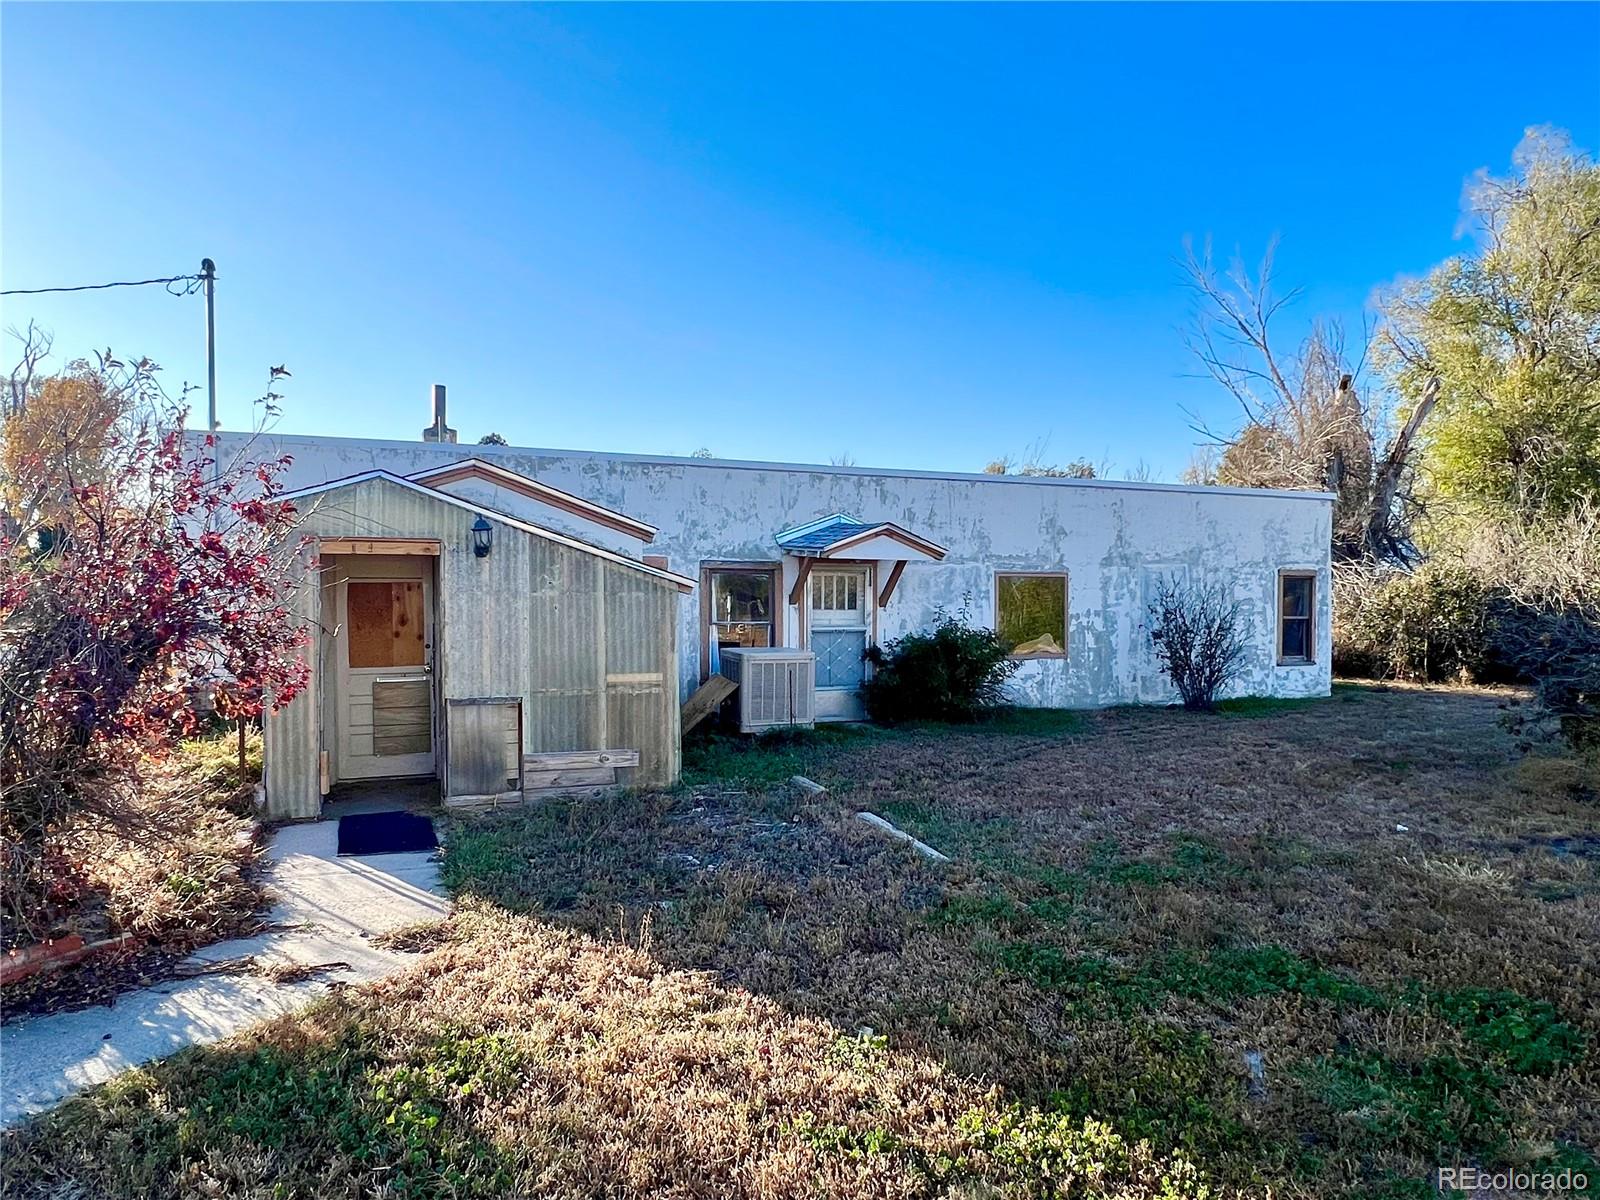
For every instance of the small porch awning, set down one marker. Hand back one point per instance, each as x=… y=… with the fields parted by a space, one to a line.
x=844 y=538
x=841 y=536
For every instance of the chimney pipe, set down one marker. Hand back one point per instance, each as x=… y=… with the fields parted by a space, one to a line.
x=439 y=431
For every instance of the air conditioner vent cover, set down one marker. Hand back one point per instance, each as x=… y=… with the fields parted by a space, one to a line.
x=777 y=686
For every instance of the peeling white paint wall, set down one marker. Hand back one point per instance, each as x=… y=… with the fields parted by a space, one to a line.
x=1112 y=539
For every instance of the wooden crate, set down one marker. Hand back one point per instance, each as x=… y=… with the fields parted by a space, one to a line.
x=483 y=748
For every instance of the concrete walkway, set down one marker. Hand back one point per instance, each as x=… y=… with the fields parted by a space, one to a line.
x=327 y=910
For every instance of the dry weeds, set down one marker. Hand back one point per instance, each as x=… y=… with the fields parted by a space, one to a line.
x=180 y=873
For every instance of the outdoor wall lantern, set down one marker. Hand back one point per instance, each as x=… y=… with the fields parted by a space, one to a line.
x=482 y=536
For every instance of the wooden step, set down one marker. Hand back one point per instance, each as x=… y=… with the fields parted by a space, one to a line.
x=573 y=772
x=708 y=697
x=573 y=760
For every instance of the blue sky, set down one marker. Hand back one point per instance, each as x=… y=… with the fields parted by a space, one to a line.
x=925 y=236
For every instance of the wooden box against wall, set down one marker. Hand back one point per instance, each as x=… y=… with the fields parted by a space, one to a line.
x=483 y=748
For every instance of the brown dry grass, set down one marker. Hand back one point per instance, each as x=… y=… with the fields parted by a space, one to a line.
x=178 y=872
x=186 y=875
x=527 y=1060
x=716 y=993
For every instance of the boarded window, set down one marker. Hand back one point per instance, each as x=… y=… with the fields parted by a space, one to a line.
x=742 y=604
x=1031 y=614
x=1297 y=607
x=386 y=626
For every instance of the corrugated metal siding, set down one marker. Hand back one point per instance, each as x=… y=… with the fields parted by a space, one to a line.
x=290 y=739
x=534 y=619
x=565 y=621
x=641 y=679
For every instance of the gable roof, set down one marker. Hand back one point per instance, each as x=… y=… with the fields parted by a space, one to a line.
x=681 y=582
x=524 y=485
x=830 y=536
x=818 y=534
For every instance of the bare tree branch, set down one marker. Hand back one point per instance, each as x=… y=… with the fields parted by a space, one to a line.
x=1305 y=423
x=36 y=344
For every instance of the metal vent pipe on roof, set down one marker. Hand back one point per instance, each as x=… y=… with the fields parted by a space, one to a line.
x=440 y=430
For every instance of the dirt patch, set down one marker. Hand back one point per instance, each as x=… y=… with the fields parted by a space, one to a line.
x=99 y=980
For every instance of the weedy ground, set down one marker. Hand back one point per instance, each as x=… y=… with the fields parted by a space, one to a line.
x=1297 y=950
x=178 y=869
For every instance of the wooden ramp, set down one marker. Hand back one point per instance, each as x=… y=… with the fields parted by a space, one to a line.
x=708 y=697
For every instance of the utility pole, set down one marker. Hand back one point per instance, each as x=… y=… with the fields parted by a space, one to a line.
x=208 y=272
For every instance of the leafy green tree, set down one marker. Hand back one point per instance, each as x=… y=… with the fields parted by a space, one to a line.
x=1512 y=332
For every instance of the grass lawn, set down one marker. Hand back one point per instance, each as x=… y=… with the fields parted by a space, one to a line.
x=1298 y=950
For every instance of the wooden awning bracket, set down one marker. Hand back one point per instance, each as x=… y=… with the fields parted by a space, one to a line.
x=799 y=588
x=889 y=584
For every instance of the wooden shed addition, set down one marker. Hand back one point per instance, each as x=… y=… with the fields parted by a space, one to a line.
x=455 y=642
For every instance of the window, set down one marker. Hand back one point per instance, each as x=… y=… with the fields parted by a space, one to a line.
x=836 y=592
x=738 y=606
x=1297 y=619
x=1031 y=614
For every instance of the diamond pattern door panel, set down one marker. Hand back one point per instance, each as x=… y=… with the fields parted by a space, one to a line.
x=839 y=656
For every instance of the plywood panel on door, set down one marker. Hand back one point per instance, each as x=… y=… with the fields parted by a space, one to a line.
x=386 y=622
x=386 y=680
x=402 y=717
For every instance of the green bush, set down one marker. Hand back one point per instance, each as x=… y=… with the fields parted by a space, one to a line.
x=1445 y=622
x=1434 y=623
x=953 y=672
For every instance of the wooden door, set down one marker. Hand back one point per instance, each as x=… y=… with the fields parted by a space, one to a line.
x=386 y=725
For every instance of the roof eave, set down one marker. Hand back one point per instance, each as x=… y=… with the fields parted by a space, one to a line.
x=682 y=582
x=535 y=489
x=895 y=533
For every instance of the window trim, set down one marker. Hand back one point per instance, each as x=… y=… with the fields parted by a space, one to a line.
x=710 y=566
x=1312 y=633
x=1066 y=611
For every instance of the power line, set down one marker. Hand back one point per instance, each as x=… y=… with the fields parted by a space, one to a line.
x=178 y=285
x=192 y=282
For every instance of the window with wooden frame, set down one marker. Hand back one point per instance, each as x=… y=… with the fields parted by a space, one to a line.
x=1030 y=612
x=739 y=606
x=1297 y=616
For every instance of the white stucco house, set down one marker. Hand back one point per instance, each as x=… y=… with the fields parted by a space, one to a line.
x=723 y=553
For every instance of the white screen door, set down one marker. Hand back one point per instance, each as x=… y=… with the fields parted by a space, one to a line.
x=839 y=622
x=387 y=723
